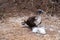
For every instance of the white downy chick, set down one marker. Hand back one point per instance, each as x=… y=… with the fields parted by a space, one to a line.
x=35 y=29
x=40 y=30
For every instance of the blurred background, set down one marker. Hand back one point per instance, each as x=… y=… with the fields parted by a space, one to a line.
x=11 y=7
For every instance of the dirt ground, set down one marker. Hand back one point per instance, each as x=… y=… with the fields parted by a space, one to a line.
x=11 y=29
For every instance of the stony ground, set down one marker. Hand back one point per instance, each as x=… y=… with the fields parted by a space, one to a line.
x=11 y=29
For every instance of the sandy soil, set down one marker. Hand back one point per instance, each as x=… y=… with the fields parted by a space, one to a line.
x=11 y=29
